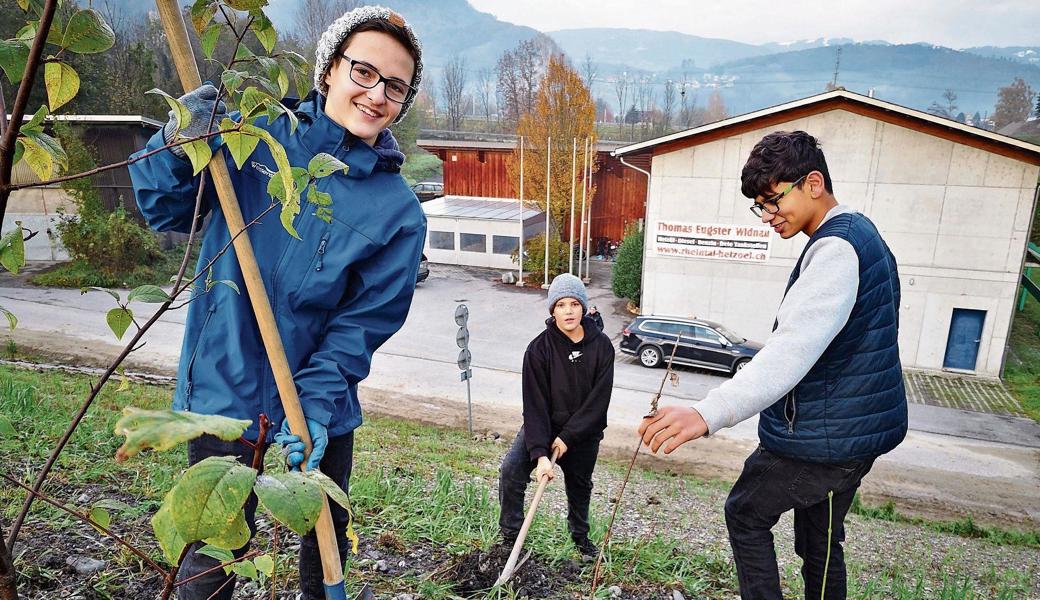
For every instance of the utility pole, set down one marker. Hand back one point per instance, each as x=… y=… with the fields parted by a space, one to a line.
x=837 y=67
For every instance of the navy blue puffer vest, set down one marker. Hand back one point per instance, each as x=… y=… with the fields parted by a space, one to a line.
x=852 y=404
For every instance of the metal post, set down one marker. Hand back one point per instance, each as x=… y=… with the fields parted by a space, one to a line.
x=548 y=187
x=581 y=223
x=574 y=182
x=588 y=225
x=520 y=256
x=469 y=407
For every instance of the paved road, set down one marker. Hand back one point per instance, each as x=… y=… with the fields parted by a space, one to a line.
x=967 y=463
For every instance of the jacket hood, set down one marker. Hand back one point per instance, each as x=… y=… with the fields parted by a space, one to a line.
x=324 y=132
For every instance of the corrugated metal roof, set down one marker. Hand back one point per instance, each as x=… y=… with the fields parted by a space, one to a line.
x=438 y=144
x=487 y=209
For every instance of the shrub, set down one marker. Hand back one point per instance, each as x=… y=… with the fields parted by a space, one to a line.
x=534 y=257
x=110 y=242
x=628 y=269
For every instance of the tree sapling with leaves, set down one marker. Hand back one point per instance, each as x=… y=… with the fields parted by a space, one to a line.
x=340 y=284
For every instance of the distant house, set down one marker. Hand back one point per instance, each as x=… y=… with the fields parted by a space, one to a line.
x=478 y=168
x=112 y=138
x=478 y=232
x=955 y=204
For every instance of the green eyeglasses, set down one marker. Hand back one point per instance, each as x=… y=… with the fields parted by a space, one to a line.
x=772 y=205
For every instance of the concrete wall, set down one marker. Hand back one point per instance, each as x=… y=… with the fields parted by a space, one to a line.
x=37 y=209
x=489 y=228
x=956 y=218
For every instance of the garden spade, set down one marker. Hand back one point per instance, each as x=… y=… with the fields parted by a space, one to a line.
x=511 y=564
x=188 y=71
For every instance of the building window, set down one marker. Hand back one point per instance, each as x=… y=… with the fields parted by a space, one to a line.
x=504 y=244
x=473 y=242
x=442 y=240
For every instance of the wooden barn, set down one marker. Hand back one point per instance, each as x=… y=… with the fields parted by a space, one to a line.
x=478 y=168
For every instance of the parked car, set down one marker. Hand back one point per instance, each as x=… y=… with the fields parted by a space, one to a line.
x=424 y=270
x=428 y=190
x=702 y=343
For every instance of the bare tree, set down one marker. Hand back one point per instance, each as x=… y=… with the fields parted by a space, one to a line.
x=313 y=17
x=948 y=108
x=667 y=106
x=519 y=71
x=621 y=92
x=452 y=90
x=485 y=93
x=588 y=71
x=645 y=96
x=716 y=110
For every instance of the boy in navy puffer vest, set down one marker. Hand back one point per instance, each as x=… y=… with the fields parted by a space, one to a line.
x=828 y=382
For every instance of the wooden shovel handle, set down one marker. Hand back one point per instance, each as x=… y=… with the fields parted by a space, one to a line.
x=507 y=571
x=188 y=71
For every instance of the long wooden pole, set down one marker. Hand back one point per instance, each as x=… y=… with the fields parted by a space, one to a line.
x=188 y=71
x=518 y=545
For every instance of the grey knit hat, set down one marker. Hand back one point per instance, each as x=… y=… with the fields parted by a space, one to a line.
x=566 y=285
x=334 y=36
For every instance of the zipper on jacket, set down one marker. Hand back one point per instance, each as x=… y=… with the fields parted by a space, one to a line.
x=321 y=253
x=191 y=363
x=790 y=412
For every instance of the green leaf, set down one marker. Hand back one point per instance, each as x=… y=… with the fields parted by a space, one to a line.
x=218 y=553
x=264 y=31
x=13 y=56
x=6 y=427
x=35 y=124
x=180 y=111
x=231 y=284
x=152 y=294
x=288 y=216
x=166 y=533
x=318 y=197
x=202 y=13
x=27 y=33
x=119 y=320
x=303 y=82
x=252 y=102
x=12 y=321
x=23 y=4
x=88 y=33
x=276 y=189
x=232 y=79
x=293 y=499
x=19 y=150
x=124 y=381
x=43 y=154
x=209 y=497
x=276 y=109
x=234 y=537
x=62 y=84
x=245 y=569
x=199 y=153
x=112 y=293
x=246 y=5
x=208 y=40
x=243 y=53
x=265 y=564
x=240 y=145
x=12 y=250
x=164 y=429
x=337 y=495
x=115 y=505
x=323 y=165
x=277 y=152
x=101 y=516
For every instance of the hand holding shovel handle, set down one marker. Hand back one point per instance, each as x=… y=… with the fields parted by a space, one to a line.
x=188 y=71
x=507 y=571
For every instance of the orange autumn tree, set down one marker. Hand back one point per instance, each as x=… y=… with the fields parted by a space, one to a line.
x=564 y=110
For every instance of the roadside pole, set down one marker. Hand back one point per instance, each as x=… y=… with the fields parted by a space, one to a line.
x=574 y=182
x=465 y=358
x=548 y=186
x=520 y=252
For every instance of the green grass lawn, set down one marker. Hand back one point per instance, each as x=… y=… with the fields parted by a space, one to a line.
x=413 y=487
x=1022 y=372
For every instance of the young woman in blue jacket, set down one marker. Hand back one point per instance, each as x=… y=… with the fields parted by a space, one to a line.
x=338 y=293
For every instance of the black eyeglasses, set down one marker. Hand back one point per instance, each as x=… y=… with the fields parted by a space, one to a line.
x=369 y=77
x=772 y=205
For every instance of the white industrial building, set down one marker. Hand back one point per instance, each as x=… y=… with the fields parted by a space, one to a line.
x=954 y=203
x=478 y=232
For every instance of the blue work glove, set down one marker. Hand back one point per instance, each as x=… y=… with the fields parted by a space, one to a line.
x=199 y=103
x=292 y=446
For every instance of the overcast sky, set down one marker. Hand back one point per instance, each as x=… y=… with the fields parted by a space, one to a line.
x=953 y=23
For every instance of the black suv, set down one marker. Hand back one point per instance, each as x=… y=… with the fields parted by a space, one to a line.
x=702 y=343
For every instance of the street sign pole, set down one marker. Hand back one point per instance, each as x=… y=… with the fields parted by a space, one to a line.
x=465 y=359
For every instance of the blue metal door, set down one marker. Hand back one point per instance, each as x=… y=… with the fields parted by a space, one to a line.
x=962 y=346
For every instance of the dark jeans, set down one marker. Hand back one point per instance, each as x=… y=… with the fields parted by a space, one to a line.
x=514 y=475
x=336 y=463
x=771 y=485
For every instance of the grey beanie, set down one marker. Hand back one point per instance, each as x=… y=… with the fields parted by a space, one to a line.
x=566 y=285
x=334 y=36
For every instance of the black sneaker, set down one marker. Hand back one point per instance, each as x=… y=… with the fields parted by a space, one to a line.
x=589 y=552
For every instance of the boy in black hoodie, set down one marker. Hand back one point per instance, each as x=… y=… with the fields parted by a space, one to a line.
x=567 y=379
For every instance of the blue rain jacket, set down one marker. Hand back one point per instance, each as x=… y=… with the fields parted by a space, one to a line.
x=337 y=294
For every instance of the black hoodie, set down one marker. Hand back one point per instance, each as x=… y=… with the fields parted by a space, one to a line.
x=567 y=387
